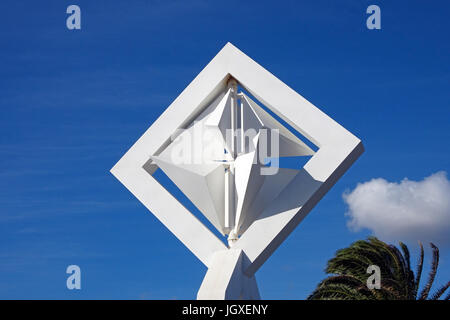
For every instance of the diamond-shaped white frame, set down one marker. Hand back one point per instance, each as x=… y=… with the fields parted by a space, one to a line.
x=338 y=149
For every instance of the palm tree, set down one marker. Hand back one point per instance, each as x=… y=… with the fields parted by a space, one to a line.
x=349 y=274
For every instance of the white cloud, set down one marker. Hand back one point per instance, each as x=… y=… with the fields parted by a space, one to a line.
x=405 y=211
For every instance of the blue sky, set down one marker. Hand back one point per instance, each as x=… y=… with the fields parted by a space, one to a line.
x=72 y=102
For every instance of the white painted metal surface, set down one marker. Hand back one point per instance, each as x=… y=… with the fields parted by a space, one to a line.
x=224 y=178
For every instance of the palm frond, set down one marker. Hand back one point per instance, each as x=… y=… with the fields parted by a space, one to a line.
x=336 y=291
x=434 y=265
x=447 y=297
x=419 y=269
x=403 y=272
x=440 y=292
x=406 y=254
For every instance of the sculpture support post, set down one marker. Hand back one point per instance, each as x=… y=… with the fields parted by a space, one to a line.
x=226 y=280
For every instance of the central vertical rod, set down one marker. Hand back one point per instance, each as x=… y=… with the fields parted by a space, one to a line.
x=230 y=198
x=232 y=85
x=242 y=131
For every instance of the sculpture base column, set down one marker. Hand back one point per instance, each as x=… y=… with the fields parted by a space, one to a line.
x=226 y=280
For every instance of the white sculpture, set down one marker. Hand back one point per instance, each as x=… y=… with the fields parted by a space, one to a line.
x=213 y=142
